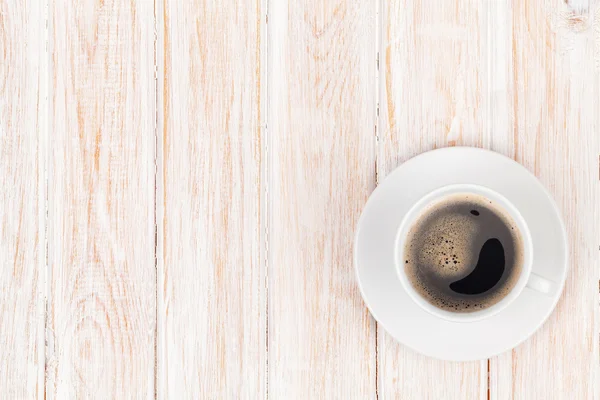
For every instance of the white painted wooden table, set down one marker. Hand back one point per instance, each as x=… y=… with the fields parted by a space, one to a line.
x=181 y=180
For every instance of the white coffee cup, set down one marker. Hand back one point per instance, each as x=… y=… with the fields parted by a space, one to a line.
x=526 y=279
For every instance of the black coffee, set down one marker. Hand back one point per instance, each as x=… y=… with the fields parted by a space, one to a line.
x=463 y=253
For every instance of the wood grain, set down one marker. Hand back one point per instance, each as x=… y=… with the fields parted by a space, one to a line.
x=435 y=70
x=23 y=135
x=101 y=317
x=321 y=163
x=521 y=79
x=218 y=265
x=212 y=292
x=554 y=130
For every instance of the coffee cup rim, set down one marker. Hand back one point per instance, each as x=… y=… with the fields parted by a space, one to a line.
x=436 y=195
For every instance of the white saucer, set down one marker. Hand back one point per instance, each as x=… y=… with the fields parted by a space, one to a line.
x=374 y=254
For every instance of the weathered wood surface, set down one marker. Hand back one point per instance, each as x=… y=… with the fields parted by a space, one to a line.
x=101 y=319
x=182 y=181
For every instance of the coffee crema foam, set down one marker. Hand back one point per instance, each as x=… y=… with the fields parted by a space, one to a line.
x=445 y=245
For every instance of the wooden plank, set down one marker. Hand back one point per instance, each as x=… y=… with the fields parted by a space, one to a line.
x=321 y=108
x=211 y=289
x=23 y=135
x=435 y=66
x=555 y=132
x=102 y=314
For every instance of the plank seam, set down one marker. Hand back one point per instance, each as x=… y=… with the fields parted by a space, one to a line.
x=376 y=148
x=159 y=70
x=49 y=348
x=45 y=202
x=156 y=147
x=264 y=167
